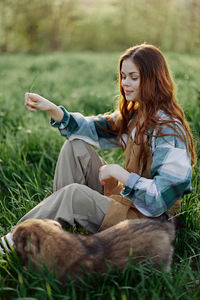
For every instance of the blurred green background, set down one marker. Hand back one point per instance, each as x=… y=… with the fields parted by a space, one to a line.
x=68 y=51
x=98 y=25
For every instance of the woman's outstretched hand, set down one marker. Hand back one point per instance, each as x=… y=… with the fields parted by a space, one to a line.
x=35 y=101
x=113 y=170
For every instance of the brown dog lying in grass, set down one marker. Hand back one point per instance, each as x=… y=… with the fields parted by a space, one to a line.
x=46 y=243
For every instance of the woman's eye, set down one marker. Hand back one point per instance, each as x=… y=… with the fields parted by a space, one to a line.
x=134 y=78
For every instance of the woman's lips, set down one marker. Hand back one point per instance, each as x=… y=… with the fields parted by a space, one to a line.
x=128 y=92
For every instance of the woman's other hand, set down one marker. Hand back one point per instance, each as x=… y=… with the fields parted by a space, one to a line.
x=113 y=170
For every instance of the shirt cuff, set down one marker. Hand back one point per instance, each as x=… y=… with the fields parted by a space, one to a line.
x=130 y=183
x=64 y=122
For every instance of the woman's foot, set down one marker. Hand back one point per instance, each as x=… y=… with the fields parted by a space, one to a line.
x=6 y=243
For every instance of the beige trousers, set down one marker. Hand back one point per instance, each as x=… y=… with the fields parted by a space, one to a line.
x=78 y=193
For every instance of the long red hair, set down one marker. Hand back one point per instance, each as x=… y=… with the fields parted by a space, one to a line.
x=157 y=92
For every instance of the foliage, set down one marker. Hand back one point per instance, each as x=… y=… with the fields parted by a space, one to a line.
x=106 y=25
x=84 y=82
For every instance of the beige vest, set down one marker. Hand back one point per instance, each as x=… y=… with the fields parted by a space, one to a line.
x=122 y=208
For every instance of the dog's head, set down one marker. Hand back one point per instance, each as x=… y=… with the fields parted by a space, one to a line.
x=28 y=236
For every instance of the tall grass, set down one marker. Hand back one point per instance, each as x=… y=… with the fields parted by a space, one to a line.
x=84 y=82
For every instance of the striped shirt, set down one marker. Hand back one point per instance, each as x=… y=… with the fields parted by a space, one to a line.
x=171 y=169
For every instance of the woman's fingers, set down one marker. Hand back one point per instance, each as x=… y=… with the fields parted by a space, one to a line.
x=31 y=101
x=34 y=101
x=30 y=108
x=31 y=98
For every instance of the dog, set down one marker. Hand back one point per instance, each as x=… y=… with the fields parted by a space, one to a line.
x=44 y=242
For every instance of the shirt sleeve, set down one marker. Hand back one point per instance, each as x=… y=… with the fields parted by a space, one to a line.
x=95 y=130
x=171 y=173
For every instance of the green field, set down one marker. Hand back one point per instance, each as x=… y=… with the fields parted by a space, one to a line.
x=84 y=82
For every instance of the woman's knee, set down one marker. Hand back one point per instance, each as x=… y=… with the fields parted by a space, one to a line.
x=78 y=193
x=72 y=187
x=75 y=147
x=75 y=143
x=68 y=193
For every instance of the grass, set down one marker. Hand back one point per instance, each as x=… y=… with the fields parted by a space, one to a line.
x=84 y=82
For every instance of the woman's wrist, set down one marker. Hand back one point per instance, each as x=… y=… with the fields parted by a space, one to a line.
x=56 y=113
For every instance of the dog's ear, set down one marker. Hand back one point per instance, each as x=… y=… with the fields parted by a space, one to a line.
x=19 y=239
x=33 y=244
x=26 y=242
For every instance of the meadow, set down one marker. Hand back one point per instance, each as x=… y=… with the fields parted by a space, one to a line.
x=86 y=82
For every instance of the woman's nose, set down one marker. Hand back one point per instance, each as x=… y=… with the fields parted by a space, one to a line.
x=125 y=81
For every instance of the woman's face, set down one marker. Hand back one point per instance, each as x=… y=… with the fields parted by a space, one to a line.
x=130 y=79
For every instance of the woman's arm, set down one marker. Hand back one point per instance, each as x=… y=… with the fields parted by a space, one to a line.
x=94 y=129
x=171 y=177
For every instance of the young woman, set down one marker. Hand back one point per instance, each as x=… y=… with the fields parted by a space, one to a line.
x=148 y=124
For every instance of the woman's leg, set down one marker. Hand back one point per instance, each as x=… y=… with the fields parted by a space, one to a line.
x=76 y=179
x=73 y=203
x=82 y=202
x=78 y=163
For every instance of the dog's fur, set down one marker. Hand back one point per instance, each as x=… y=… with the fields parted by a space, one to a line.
x=46 y=243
